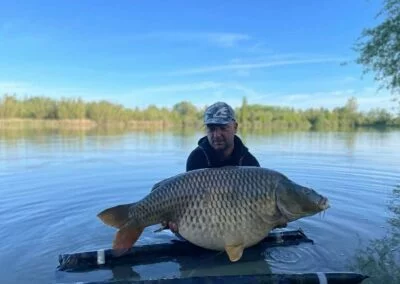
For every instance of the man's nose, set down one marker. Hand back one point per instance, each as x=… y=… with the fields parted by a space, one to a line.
x=216 y=131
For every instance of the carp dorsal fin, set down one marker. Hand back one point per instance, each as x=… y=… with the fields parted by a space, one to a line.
x=156 y=185
x=234 y=252
x=161 y=182
x=116 y=216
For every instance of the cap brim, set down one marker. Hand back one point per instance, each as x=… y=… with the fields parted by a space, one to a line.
x=217 y=121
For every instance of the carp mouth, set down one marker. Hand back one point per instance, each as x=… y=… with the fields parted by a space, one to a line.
x=323 y=204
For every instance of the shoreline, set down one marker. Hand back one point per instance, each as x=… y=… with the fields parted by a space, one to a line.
x=161 y=125
x=11 y=123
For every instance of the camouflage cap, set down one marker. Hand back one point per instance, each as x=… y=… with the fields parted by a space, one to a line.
x=219 y=113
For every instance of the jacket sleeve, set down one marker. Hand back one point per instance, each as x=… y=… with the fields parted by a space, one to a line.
x=196 y=160
x=250 y=160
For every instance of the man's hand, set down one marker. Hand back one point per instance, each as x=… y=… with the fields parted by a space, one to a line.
x=170 y=225
x=280 y=226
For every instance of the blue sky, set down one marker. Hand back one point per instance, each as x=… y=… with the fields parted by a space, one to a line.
x=137 y=53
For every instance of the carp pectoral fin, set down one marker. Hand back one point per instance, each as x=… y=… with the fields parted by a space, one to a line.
x=234 y=252
x=116 y=216
x=125 y=239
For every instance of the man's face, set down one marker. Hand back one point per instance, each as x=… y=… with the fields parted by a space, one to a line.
x=221 y=136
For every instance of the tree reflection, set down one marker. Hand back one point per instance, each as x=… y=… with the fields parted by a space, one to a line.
x=380 y=259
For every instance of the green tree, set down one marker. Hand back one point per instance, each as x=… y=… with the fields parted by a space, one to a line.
x=9 y=107
x=71 y=109
x=39 y=108
x=379 y=117
x=379 y=47
x=243 y=114
x=186 y=112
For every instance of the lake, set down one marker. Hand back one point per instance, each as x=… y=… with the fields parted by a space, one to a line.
x=54 y=182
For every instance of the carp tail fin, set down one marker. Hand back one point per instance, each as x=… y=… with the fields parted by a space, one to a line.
x=125 y=238
x=129 y=232
x=116 y=216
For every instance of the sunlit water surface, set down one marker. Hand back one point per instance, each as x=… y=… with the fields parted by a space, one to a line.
x=53 y=184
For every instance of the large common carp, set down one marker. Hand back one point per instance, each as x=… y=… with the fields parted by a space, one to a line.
x=228 y=208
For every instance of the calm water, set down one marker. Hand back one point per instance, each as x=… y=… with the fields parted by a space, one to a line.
x=53 y=184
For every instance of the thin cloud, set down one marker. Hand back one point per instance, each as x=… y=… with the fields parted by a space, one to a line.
x=259 y=47
x=13 y=87
x=348 y=79
x=227 y=39
x=251 y=66
x=242 y=73
x=174 y=88
x=230 y=92
x=336 y=98
x=297 y=97
x=22 y=89
x=213 y=38
x=214 y=87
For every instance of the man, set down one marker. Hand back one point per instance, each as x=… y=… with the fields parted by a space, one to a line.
x=221 y=147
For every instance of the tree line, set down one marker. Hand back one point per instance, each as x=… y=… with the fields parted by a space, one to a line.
x=185 y=114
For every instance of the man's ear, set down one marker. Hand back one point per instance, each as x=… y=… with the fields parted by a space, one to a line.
x=235 y=126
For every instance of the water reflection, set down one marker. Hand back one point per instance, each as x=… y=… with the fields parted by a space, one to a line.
x=123 y=272
x=210 y=264
x=43 y=135
x=114 y=164
x=380 y=259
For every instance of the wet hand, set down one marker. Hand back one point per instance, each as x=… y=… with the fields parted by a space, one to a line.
x=280 y=226
x=170 y=225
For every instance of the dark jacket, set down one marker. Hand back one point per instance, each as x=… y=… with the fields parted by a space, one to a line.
x=204 y=156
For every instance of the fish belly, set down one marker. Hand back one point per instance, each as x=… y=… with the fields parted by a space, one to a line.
x=215 y=231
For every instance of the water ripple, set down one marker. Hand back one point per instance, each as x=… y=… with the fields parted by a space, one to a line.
x=283 y=259
x=51 y=193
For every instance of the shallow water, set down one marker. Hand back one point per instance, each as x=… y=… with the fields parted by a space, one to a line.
x=54 y=183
